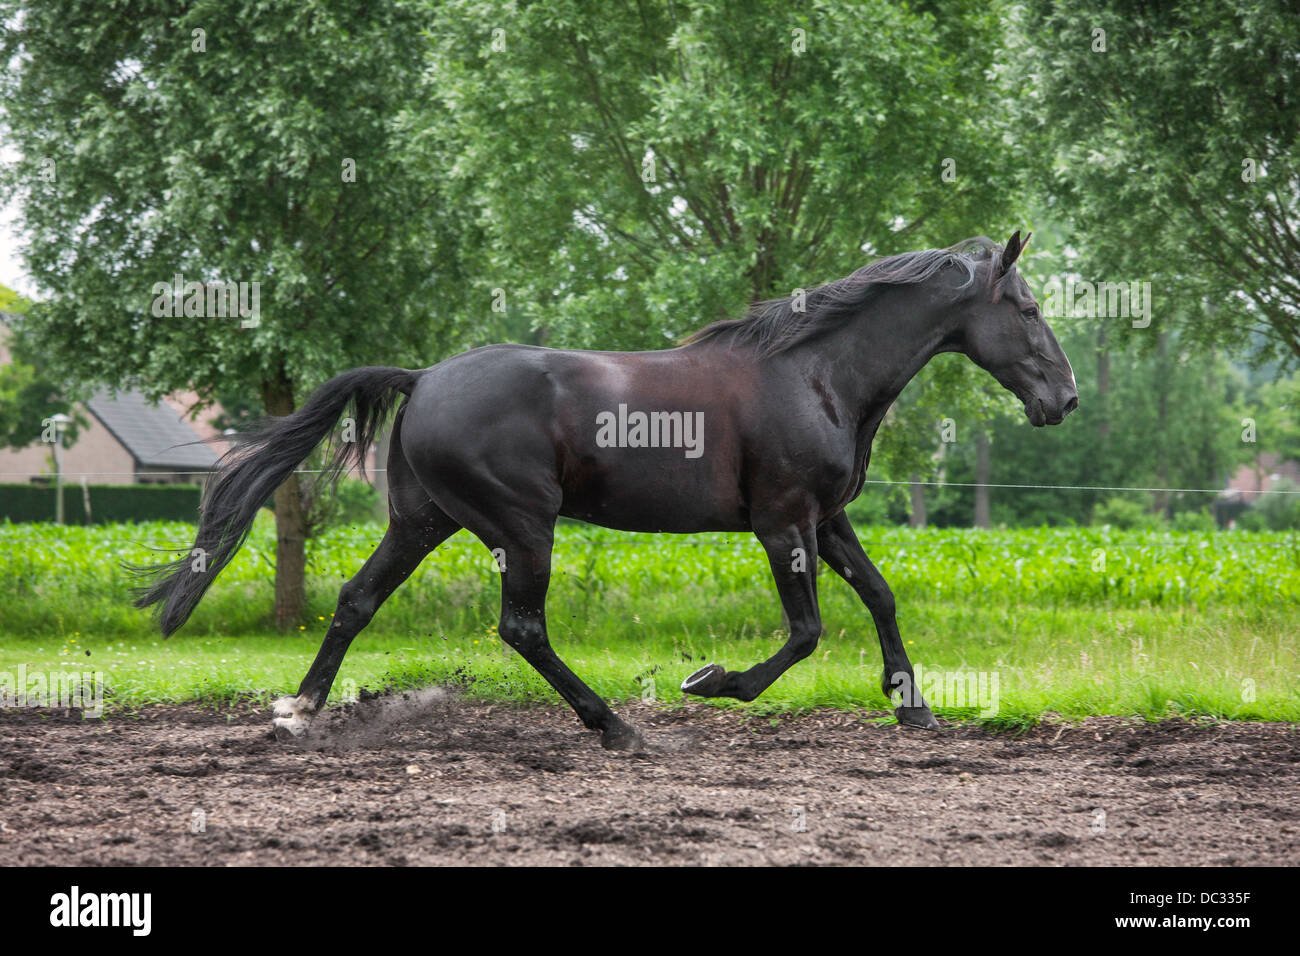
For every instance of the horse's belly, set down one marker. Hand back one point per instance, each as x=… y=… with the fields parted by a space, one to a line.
x=648 y=492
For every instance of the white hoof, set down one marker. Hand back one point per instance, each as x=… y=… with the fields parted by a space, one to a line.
x=292 y=716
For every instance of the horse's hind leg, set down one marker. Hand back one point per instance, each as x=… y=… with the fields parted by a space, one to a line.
x=524 y=556
x=405 y=545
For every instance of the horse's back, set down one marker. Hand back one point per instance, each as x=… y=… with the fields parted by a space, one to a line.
x=634 y=440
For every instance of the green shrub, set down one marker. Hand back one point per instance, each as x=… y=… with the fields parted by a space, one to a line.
x=877 y=506
x=1127 y=514
x=349 y=502
x=108 y=503
x=1194 y=521
x=1274 y=512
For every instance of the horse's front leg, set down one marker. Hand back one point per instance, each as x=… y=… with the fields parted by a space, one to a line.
x=792 y=554
x=842 y=551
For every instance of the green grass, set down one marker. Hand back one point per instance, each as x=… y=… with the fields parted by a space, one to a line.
x=1173 y=624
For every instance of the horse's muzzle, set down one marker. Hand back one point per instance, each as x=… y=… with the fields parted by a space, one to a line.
x=1039 y=413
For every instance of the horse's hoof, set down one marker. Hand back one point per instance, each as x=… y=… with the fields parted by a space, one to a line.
x=705 y=682
x=919 y=717
x=621 y=736
x=292 y=718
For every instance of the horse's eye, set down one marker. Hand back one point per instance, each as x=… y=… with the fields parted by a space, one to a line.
x=1031 y=312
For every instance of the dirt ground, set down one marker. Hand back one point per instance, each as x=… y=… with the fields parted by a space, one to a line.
x=431 y=778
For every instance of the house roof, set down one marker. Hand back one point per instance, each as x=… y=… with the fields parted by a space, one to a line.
x=155 y=435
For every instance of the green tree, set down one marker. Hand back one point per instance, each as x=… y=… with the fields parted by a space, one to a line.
x=1275 y=409
x=265 y=143
x=29 y=394
x=1173 y=128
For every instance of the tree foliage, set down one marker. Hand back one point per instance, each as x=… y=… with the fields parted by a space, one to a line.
x=1174 y=130
x=641 y=169
x=248 y=143
x=29 y=394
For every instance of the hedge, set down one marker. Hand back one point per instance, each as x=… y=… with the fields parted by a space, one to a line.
x=108 y=503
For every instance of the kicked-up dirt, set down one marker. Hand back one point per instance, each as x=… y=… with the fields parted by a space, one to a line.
x=429 y=777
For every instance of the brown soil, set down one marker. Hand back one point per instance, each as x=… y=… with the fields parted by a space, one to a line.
x=430 y=778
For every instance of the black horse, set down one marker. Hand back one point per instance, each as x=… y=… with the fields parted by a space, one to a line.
x=760 y=424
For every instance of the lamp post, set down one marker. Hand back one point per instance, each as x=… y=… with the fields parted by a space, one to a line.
x=60 y=422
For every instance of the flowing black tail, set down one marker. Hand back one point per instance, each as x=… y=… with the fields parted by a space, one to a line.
x=249 y=473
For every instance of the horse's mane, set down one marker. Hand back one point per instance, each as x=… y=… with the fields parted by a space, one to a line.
x=774 y=326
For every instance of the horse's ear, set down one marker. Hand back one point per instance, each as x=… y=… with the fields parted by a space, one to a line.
x=1009 y=256
x=1012 y=252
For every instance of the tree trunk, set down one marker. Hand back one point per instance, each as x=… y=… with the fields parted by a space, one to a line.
x=982 y=469
x=290 y=521
x=1162 y=499
x=917 y=519
x=1103 y=388
x=1209 y=452
x=380 y=476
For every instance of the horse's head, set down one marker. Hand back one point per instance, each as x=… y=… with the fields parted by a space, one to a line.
x=1005 y=334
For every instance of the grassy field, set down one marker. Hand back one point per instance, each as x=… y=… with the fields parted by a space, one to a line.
x=1075 y=622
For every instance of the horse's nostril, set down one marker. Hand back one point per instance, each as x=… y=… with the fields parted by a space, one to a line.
x=1072 y=404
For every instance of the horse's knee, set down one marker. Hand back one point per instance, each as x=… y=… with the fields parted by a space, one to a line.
x=355 y=609
x=524 y=634
x=879 y=598
x=803 y=639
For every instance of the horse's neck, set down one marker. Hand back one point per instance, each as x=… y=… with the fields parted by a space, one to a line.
x=870 y=360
